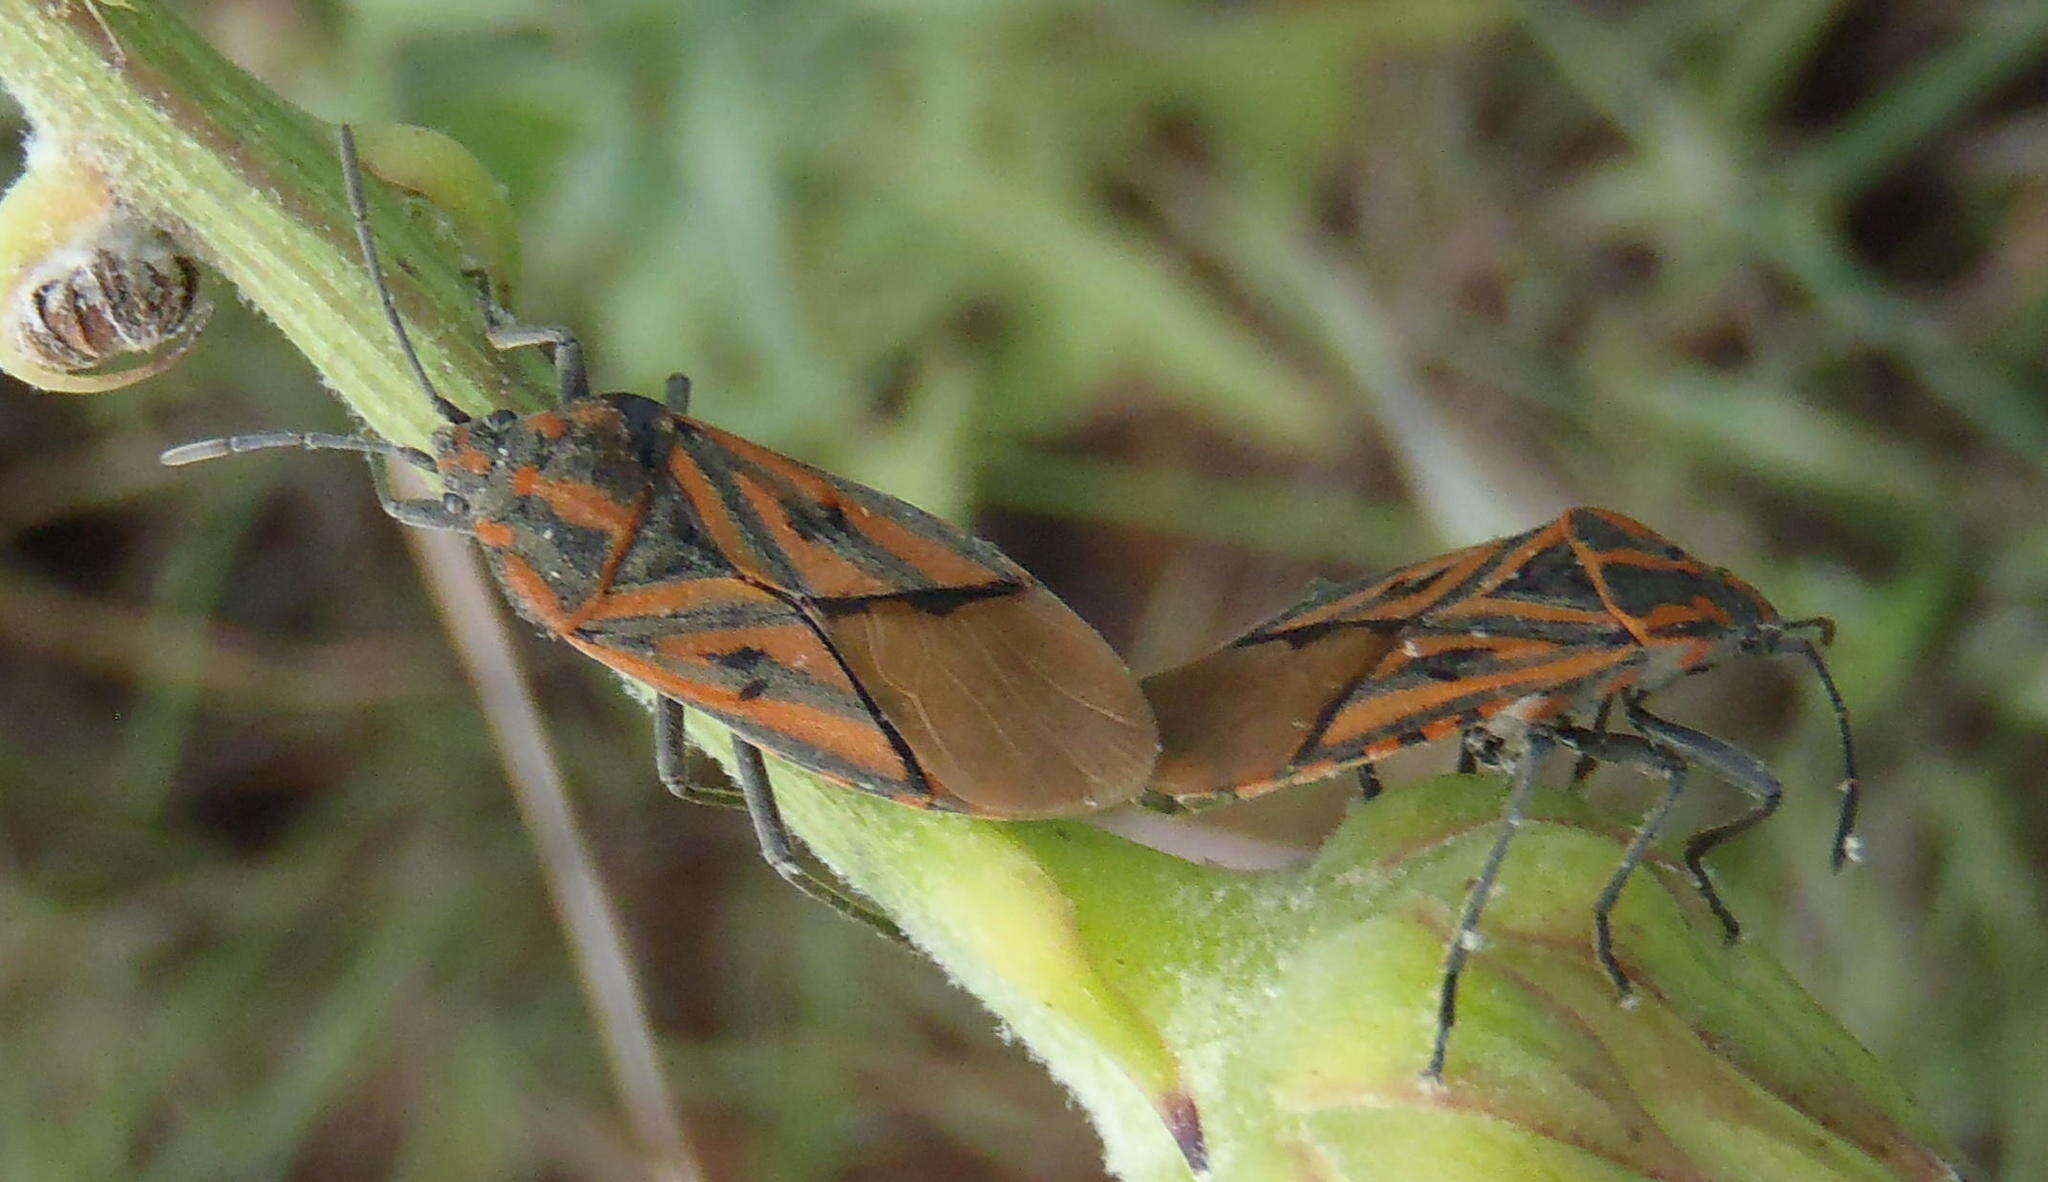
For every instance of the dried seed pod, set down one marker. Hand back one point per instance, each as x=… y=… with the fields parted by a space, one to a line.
x=88 y=282
x=127 y=291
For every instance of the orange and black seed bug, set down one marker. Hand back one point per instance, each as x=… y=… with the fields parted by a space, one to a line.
x=1502 y=644
x=848 y=632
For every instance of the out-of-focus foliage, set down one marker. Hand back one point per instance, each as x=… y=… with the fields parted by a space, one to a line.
x=1184 y=302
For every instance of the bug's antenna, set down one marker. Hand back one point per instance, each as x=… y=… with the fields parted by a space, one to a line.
x=231 y=445
x=1852 y=785
x=352 y=179
x=1821 y=624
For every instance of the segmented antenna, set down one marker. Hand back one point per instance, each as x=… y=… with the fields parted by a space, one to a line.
x=1852 y=784
x=352 y=179
x=230 y=445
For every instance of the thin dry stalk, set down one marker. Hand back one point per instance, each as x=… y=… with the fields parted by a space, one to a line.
x=484 y=645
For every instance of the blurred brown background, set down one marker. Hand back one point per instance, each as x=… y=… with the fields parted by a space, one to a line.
x=1181 y=303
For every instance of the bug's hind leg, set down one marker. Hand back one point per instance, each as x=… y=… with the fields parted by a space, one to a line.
x=572 y=380
x=1641 y=753
x=1369 y=787
x=780 y=852
x=1466 y=936
x=1732 y=764
x=670 y=746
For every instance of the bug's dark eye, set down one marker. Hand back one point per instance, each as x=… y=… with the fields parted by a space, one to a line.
x=501 y=418
x=455 y=504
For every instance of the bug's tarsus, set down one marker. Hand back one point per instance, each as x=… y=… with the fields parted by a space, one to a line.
x=675 y=393
x=1466 y=934
x=572 y=380
x=1369 y=787
x=359 y=209
x=780 y=853
x=1731 y=764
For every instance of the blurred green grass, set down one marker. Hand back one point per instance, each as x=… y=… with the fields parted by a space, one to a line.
x=1183 y=303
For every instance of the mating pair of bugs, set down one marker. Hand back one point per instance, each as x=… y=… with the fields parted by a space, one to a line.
x=881 y=648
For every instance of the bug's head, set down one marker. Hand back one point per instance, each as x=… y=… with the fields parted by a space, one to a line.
x=471 y=457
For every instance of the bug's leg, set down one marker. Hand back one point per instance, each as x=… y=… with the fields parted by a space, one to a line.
x=777 y=849
x=572 y=381
x=1369 y=787
x=675 y=393
x=1738 y=768
x=485 y=288
x=671 y=746
x=1641 y=753
x=424 y=513
x=1584 y=767
x=1477 y=747
x=1466 y=935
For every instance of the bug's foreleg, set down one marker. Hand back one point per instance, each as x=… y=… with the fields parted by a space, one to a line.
x=781 y=854
x=1598 y=744
x=572 y=381
x=1732 y=764
x=1369 y=787
x=1466 y=935
x=422 y=513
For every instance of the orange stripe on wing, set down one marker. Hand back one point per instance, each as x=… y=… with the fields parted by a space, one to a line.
x=863 y=747
x=792 y=646
x=1547 y=613
x=1392 y=711
x=1665 y=615
x=826 y=573
x=1371 y=603
x=718 y=520
x=661 y=599
x=940 y=564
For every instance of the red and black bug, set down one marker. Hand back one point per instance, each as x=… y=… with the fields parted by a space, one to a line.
x=1503 y=644
x=845 y=630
